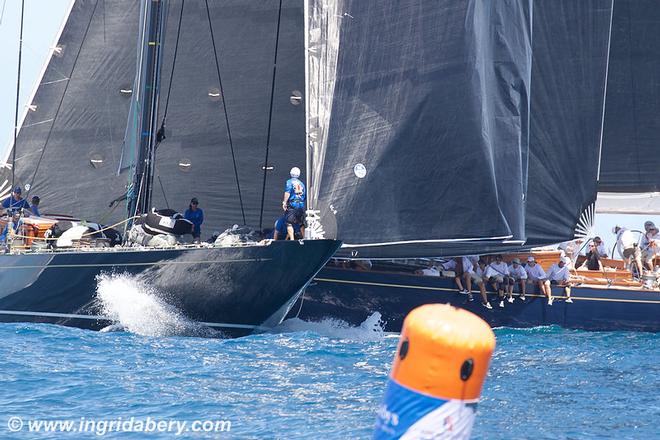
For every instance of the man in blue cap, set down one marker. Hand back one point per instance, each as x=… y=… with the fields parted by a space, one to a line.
x=15 y=201
x=294 y=203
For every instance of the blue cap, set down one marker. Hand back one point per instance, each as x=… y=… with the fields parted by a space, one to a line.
x=17 y=190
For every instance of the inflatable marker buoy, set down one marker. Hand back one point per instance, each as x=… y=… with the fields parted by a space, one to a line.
x=437 y=375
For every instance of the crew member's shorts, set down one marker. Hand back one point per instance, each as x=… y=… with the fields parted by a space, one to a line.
x=632 y=252
x=648 y=255
x=295 y=216
x=501 y=279
x=476 y=278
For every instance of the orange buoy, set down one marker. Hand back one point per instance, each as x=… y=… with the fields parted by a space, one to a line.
x=437 y=375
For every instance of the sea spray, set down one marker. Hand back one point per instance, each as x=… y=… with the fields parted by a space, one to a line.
x=137 y=308
x=370 y=330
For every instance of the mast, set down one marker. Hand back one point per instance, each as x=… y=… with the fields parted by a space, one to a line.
x=153 y=18
x=18 y=92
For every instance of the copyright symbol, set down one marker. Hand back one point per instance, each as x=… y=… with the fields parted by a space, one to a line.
x=15 y=424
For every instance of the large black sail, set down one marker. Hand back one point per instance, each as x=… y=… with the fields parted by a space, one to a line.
x=70 y=143
x=196 y=158
x=77 y=168
x=570 y=46
x=631 y=141
x=421 y=123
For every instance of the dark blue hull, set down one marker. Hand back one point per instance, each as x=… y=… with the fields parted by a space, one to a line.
x=352 y=295
x=237 y=289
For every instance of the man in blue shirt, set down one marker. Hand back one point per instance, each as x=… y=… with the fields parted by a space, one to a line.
x=14 y=224
x=196 y=216
x=280 y=232
x=15 y=202
x=35 y=206
x=294 y=203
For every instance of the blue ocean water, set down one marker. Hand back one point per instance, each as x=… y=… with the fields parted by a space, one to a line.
x=315 y=380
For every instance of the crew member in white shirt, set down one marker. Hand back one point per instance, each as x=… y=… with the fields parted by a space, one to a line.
x=649 y=244
x=536 y=275
x=430 y=270
x=519 y=275
x=462 y=267
x=560 y=275
x=480 y=277
x=500 y=278
x=628 y=248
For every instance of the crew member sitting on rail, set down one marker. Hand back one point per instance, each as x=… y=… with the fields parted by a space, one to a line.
x=462 y=267
x=280 y=232
x=649 y=244
x=294 y=203
x=536 y=275
x=196 y=216
x=35 y=206
x=592 y=262
x=519 y=275
x=500 y=278
x=560 y=275
x=15 y=201
x=628 y=248
x=480 y=278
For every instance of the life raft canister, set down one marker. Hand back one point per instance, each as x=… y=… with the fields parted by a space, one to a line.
x=166 y=221
x=437 y=375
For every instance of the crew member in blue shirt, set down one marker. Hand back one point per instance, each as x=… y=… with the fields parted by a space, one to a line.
x=280 y=232
x=294 y=203
x=196 y=216
x=35 y=206
x=15 y=201
x=14 y=223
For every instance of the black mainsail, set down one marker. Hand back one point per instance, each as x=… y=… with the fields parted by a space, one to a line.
x=419 y=119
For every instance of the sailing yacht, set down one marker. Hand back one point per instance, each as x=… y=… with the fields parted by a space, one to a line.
x=103 y=128
x=506 y=121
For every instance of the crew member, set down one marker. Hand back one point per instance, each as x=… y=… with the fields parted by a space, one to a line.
x=628 y=248
x=559 y=274
x=195 y=214
x=293 y=203
x=15 y=201
x=280 y=232
x=35 y=206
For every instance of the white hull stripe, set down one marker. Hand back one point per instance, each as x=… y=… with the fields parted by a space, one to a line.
x=105 y=318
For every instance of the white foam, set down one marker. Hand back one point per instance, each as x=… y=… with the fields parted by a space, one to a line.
x=370 y=330
x=136 y=307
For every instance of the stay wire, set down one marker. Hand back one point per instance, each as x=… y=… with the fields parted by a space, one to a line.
x=176 y=51
x=59 y=105
x=18 y=93
x=270 y=115
x=224 y=107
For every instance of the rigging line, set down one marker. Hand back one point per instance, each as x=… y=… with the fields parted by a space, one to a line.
x=162 y=188
x=224 y=106
x=59 y=105
x=18 y=93
x=176 y=50
x=270 y=115
x=2 y=14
